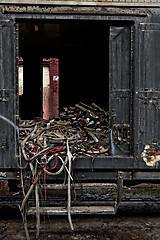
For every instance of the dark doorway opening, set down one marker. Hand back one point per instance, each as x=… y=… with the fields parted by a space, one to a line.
x=82 y=48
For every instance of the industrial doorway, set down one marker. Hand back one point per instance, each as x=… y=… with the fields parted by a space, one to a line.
x=82 y=48
x=94 y=67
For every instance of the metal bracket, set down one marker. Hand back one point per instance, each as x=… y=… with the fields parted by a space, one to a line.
x=121 y=133
x=4 y=23
x=119 y=190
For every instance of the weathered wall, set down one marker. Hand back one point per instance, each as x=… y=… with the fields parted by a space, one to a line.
x=142 y=37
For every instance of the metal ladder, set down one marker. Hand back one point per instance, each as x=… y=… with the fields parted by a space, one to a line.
x=83 y=209
x=70 y=210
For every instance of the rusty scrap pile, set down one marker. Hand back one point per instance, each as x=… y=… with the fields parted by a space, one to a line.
x=92 y=126
x=85 y=127
x=49 y=147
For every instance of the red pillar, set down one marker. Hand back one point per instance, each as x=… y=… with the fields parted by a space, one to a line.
x=54 y=88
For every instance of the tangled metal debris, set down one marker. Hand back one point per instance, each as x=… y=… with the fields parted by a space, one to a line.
x=151 y=154
x=49 y=147
x=85 y=127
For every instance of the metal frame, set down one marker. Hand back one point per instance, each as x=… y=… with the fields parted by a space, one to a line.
x=100 y=168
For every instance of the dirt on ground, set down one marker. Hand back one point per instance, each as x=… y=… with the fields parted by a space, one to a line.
x=138 y=217
x=117 y=227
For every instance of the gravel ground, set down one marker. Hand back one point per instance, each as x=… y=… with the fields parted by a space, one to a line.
x=137 y=218
x=119 y=227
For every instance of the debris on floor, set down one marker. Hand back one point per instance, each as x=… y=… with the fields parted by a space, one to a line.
x=85 y=127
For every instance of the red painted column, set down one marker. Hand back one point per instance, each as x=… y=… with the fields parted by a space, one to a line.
x=54 y=88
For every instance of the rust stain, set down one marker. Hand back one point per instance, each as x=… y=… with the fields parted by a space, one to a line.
x=151 y=154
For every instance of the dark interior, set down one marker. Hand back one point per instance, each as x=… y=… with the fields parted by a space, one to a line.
x=83 y=51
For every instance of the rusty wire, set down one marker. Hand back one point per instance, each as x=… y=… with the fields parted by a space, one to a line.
x=80 y=131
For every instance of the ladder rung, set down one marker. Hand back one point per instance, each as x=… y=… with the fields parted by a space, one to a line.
x=81 y=186
x=74 y=210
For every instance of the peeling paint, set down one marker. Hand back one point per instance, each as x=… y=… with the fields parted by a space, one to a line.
x=151 y=154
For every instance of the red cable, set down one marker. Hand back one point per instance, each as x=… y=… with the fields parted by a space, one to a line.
x=53 y=150
x=35 y=180
x=95 y=149
x=45 y=183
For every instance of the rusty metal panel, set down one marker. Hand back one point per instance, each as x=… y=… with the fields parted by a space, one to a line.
x=148 y=94
x=150 y=53
x=149 y=119
x=6 y=80
x=120 y=83
x=8 y=129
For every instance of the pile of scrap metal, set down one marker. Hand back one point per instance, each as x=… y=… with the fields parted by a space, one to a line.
x=85 y=127
x=151 y=154
x=49 y=147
